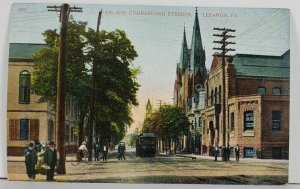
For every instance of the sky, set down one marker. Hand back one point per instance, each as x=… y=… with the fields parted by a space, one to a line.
x=156 y=33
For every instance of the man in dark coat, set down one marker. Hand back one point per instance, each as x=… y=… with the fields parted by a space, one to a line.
x=228 y=152
x=50 y=159
x=30 y=161
x=216 y=152
x=237 y=153
x=96 y=151
x=104 y=150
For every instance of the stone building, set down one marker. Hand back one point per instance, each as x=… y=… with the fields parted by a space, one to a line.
x=27 y=119
x=189 y=85
x=256 y=106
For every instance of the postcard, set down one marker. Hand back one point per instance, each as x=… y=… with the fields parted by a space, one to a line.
x=103 y=93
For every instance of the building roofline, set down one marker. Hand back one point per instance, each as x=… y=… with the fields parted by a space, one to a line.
x=262 y=56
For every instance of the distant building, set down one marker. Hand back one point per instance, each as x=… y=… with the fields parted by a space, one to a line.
x=27 y=119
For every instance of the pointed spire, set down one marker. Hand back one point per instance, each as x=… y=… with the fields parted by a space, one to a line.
x=197 y=58
x=184 y=57
x=148 y=108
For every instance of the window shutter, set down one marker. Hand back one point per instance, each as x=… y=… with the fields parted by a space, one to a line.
x=34 y=129
x=14 y=129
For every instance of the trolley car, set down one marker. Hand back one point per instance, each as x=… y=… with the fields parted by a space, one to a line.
x=146 y=145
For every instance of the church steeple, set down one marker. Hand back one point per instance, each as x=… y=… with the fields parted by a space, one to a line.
x=184 y=56
x=197 y=60
x=148 y=108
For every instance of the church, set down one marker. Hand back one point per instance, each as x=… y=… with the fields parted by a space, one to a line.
x=250 y=109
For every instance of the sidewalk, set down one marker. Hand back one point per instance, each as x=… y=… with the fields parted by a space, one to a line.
x=69 y=157
x=196 y=156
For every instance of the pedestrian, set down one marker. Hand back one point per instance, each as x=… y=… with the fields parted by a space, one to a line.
x=224 y=153
x=104 y=151
x=30 y=161
x=81 y=149
x=40 y=160
x=96 y=151
x=228 y=152
x=237 y=153
x=216 y=152
x=121 y=151
x=37 y=145
x=50 y=159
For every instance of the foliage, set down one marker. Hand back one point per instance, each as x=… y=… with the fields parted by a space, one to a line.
x=115 y=81
x=167 y=122
x=130 y=139
x=45 y=65
x=115 y=78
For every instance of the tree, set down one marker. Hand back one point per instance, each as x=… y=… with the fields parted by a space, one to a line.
x=115 y=81
x=168 y=123
x=77 y=78
x=131 y=139
x=115 y=76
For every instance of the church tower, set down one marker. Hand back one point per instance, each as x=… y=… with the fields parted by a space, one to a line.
x=197 y=58
x=184 y=62
x=148 y=108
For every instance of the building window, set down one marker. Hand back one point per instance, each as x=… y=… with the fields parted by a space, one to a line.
x=220 y=94
x=248 y=121
x=23 y=129
x=276 y=91
x=261 y=90
x=216 y=97
x=217 y=122
x=212 y=98
x=192 y=125
x=200 y=122
x=232 y=122
x=276 y=120
x=248 y=152
x=24 y=87
x=276 y=153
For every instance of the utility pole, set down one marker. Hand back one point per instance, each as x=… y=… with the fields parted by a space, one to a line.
x=64 y=10
x=224 y=37
x=92 y=121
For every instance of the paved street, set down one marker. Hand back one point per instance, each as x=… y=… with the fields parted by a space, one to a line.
x=167 y=169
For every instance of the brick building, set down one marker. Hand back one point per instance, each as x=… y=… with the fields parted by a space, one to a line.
x=256 y=106
x=27 y=119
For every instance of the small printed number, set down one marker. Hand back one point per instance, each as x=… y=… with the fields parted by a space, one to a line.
x=22 y=9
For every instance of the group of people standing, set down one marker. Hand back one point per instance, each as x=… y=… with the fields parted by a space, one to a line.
x=225 y=152
x=104 y=149
x=100 y=148
x=121 y=151
x=40 y=159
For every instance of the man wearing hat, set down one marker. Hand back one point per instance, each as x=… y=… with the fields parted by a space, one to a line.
x=50 y=159
x=30 y=161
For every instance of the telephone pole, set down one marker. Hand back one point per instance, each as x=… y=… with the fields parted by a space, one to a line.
x=91 y=128
x=224 y=37
x=64 y=10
